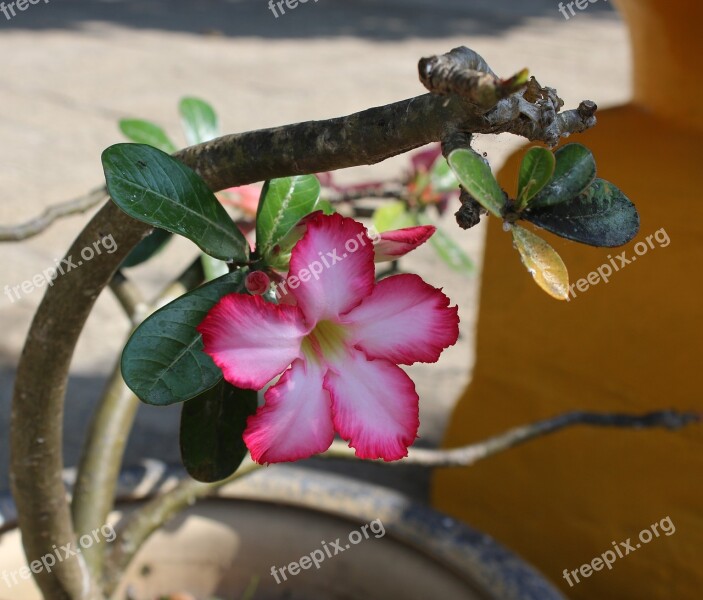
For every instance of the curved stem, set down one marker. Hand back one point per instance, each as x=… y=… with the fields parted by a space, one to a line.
x=140 y=524
x=38 y=403
x=101 y=459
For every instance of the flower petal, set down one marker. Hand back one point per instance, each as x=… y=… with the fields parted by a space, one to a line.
x=296 y=421
x=404 y=320
x=251 y=340
x=374 y=406
x=331 y=267
x=396 y=243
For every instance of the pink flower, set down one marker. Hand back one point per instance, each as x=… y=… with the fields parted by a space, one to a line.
x=338 y=347
x=243 y=197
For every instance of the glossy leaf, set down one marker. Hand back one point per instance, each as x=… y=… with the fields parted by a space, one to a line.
x=212 y=426
x=163 y=361
x=448 y=250
x=575 y=170
x=442 y=177
x=283 y=203
x=151 y=245
x=199 y=120
x=153 y=187
x=542 y=261
x=476 y=177
x=392 y=215
x=144 y=132
x=601 y=216
x=536 y=170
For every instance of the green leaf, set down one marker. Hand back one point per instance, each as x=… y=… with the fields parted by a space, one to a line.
x=213 y=267
x=536 y=170
x=153 y=187
x=151 y=245
x=448 y=250
x=392 y=215
x=542 y=261
x=442 y=177
x=477 y=178
x=325 y=206
x=163 y=361
x=199 y=121
x=283 y=203
x=601 y=216
x=145 y=132
x=212 y=425
x=575 y=170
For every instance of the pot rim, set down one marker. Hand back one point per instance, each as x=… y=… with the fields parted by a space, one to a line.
x=471 y=555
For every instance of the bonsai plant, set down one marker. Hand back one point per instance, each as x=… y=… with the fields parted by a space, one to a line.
x=305 y=303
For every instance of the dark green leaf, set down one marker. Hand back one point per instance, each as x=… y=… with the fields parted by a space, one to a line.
x=536 y=170
x=163 y=362
x=212 y=426
x=477 y=178
x=575 y=170
x=152 y=244
x=144 y=132
x=153 y=187
x=199 y=121
x=601 y=216
x=283 y=203
x=448 y=250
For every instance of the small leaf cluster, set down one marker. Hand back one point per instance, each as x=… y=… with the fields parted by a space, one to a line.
x=557 y=191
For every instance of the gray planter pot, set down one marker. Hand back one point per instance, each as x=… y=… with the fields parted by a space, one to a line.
x=361 y=541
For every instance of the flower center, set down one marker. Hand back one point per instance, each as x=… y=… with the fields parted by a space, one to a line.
x=327 y=340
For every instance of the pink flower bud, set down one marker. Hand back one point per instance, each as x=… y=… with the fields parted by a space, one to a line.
x=257 y=283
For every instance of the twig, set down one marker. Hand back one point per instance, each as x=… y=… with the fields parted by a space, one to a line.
x=136 y=528
x=468 y=455
x=144 y=521
x=38 y=224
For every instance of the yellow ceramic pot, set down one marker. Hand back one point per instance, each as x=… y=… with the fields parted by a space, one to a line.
x=633 y=344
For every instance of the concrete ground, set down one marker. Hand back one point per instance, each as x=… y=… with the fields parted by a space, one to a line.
x=71 y=69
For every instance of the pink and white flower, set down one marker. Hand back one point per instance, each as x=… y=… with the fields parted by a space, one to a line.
x=338 y=346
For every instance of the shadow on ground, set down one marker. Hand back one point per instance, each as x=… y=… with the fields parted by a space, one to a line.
x=390 y=20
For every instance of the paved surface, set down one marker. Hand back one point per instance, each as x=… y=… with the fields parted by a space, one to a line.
x=71 y=69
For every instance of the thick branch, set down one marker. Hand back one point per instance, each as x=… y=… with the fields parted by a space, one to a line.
x=37 y=413
x=38 y=224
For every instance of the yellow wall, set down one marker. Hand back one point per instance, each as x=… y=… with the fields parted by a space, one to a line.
x=633 y=344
